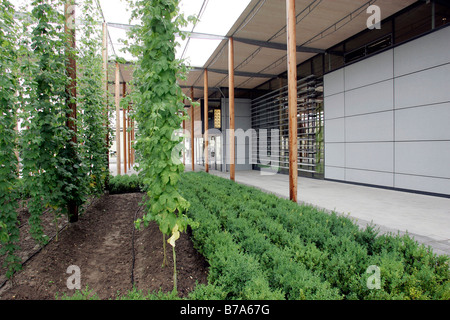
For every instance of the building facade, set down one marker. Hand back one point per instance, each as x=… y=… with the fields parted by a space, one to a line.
x=373 y=109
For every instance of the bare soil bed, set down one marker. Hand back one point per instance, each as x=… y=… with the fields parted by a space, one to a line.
x=111 y=255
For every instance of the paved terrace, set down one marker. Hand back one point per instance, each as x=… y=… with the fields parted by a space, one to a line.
x=426 y=218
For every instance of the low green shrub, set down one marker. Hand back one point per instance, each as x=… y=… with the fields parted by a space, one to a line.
x=256 y=242
x=125 y=184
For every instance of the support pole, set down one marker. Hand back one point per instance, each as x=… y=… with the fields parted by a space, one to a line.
x=292 y=80
x=130 y=161
x=117 y=91
x=184 y=143
x=192 y=129
x=206 y=111
x=133 y=157
x=105 y=88
x=231 y=106
x=71 y=89
x=125 y=143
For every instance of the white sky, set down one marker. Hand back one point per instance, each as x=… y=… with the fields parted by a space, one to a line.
x=217 y=18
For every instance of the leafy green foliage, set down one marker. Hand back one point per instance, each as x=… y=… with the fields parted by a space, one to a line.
x=125 y=184
x=91 y=100
x=159 y=111
x=159 y=108
x=50 y=163
x=56 y=171
x=9 y=85
x=79 y=295
x=299 y=251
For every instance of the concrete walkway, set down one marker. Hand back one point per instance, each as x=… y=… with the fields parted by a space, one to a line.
x=426 y=218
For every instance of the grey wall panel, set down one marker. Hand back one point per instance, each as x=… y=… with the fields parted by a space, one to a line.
x=242 y=108
x=375 y=69
x=430 y=159
x=373 y=98
x=333 y=82
x=335 y=154
x=335 y=130
x=370 y=156
x=424 y=184
x=335 y=173
x=243 y=121
x=335 y=106
x=395 y=131
x=385 y=179
x=374 y=127
x=421 y=88
x=423 y=123
x=423 y=53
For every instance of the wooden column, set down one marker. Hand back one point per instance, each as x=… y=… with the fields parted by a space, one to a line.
x=231 y=107
x=192 y=129
x=132 y=140
x=105 y=85
x=71 y=90
x=130 y=161
x=292 y=97
x=117 y=91
x=125 y=143
x=105 y=88
x=184 y=142
x=205 y=116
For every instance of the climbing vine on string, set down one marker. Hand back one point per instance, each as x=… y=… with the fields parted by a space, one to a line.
x=9 y=87
x=91 y=100
x=51 y=163
x=159 y=112
x=58 y=165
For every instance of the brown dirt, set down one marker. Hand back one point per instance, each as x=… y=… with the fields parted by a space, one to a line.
x=101 y=245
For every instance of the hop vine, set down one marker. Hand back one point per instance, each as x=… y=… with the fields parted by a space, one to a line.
x=159 y=106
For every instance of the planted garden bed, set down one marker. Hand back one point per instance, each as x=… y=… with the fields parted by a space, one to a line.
x=116 y=261
x=248 y=245
x=262 y=247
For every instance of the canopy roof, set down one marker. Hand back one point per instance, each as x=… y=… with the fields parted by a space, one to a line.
x=259 y=34
x=260 y=38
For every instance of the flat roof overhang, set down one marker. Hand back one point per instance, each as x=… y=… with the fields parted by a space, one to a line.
x=260 y=38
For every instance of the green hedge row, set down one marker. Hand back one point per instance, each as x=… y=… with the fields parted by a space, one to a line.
x=125 y=184
x=262 y=247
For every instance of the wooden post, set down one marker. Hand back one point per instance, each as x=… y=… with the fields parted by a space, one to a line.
x=132 y=140
x=184 y=143
x=125 y=143
x=192 y=129
x=129 y=138
x=105 y=87
x=231 y=107
x=292 y=97
x=71 y=89
x=206 y=107
x=117 y=91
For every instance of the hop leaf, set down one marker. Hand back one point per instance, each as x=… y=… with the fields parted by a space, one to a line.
x=175 y=236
